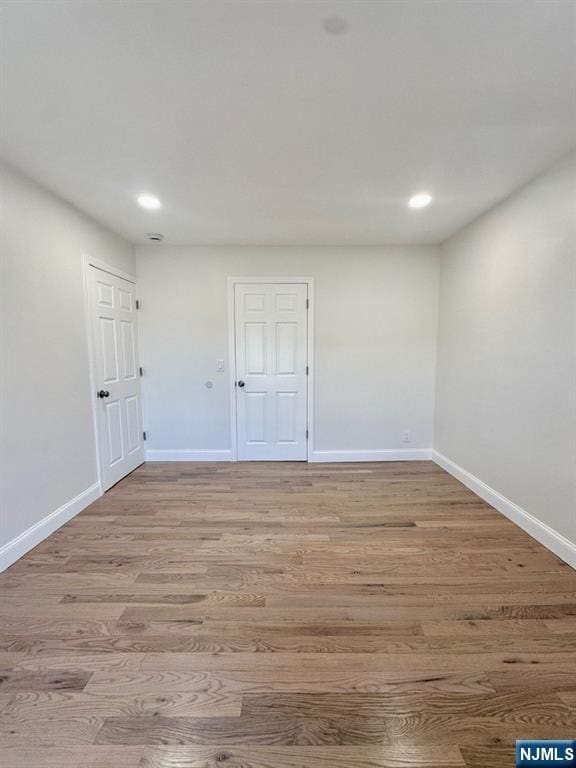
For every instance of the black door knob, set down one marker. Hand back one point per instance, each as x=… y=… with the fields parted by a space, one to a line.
x=241 y=384
x=103 y=393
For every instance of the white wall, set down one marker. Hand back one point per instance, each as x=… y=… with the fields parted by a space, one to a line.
x=48 y=452
x=375 y=342
x=506 y=380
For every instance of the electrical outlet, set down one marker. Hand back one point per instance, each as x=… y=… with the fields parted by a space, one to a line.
x=406 y=436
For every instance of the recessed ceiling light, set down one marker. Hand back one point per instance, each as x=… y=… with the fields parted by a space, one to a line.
x=150 y=202
x=421 y=200
x=335 y=25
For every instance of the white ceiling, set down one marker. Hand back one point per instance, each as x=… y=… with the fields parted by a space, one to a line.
x=253 y=125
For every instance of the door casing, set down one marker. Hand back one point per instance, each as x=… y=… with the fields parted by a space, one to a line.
x=232 y=281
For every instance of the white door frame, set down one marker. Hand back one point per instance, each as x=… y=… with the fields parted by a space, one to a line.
x=232 y=282
x=88 y=262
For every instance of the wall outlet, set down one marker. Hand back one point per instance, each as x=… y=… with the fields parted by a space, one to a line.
x=220 y=366
x=406 y=436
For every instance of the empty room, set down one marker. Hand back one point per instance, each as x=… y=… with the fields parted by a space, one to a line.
x=288 y=383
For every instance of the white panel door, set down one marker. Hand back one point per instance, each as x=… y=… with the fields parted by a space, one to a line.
x=117 y=375
x=271 y=367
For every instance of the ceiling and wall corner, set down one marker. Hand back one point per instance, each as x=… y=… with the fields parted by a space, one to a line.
x=287 y=123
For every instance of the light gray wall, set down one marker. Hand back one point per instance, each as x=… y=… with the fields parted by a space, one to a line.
x=375 y=341
x=47 y=448
x=506 y=377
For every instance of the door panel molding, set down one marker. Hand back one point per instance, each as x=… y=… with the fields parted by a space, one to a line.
x=277 y=280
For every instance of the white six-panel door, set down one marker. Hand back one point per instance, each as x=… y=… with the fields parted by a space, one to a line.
x=116 y=375
x=271 y=366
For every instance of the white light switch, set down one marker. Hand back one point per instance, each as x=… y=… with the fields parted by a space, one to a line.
x=220 y=366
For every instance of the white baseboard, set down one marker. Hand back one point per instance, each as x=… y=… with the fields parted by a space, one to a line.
x=203 y=454
x=392 y=454
x=551 y=539
x=30 y=538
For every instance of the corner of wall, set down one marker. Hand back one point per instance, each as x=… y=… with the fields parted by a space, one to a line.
x=30 y=538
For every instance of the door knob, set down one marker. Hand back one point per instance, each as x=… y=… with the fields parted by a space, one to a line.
x=103 y=393
x=241 y=384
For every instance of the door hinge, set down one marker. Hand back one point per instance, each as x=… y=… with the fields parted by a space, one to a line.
x=307 y=303
x=141 y=370
x=137 y=303
x=307 y=370
x=307 y=434
x=143 y=435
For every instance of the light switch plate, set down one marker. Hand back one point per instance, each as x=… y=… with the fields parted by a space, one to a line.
x=220 y=366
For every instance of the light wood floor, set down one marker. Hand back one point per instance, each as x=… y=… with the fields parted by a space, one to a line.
x=285 y=616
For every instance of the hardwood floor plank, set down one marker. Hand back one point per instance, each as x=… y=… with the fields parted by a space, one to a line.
x=58 y=704
x=43 y=627
x=499 y=628
x=559 y=626
x=533 y=678
x=73 y=757
x=484 y=756
x=568 y=697
x=58 y=680
x=281 y=680
x=505 y=708
x=301 y=757
x=73 y=662
x=394 y=666
x=219 y=599
x=200 y=643
x=52 y=732
x=242 y=730
x=311 y=628
x=449 y=729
